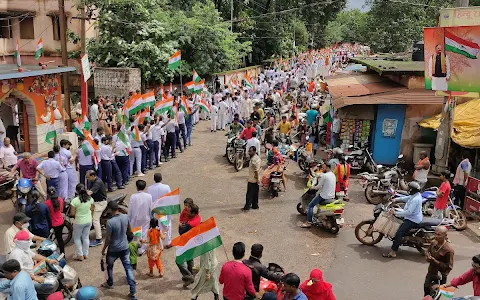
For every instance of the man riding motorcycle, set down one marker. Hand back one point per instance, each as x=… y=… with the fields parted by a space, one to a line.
x=258 y=269
x=411 y=214
x=28 y=169
x=326 y=185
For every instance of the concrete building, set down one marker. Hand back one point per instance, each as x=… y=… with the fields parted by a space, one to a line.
x=30 y=20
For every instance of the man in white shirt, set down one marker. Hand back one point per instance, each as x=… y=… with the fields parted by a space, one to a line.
x=181 y=126
x=136 y=156
x=8 y=155
x=336 y=127
x=156 y=132
x=213 y=117
x=157 y=190
x=326 y=185
x=94 y=116
x=109 y=166
x=254 y=142
x=2 y=132
x=222 y=114
x=139 y=210
x=84 y=159
x=171 y=138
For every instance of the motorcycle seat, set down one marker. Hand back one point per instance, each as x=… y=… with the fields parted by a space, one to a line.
x=401 y=192
x=328 y=201
x=116 y=198
x=427 y=222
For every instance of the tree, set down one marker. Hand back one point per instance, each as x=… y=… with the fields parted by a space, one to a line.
x=349 y=26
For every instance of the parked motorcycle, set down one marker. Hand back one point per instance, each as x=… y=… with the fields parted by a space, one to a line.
x=230 y=148
x=328 y=214
x=418 y=238
x=377 y=186
x=361 y=158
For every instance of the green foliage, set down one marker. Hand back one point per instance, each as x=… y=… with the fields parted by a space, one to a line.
x=349 y=26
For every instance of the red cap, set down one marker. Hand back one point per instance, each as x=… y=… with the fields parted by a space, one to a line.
x=22 y=235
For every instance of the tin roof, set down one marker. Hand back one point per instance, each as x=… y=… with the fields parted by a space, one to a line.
x=383 y=66
x=9 y=71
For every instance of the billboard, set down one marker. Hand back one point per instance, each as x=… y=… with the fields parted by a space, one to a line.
x=459 y=16
x=451 y=58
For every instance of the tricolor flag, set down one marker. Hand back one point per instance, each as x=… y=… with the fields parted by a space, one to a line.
x=148 y=99
x=196 y=78
x=184 y=105
x=248 y=82
x=458 y=45
x=163 y=106
x=168 y=204
x=447 y=292
x=137 y=231
x=190 y=86
x=85 y=149
x=134 y=105
x=51 y=132
x=175 y=60
x=89 y=139
x=81 y=124
x=199 y=86
x=39 y=267
x=204 y=105
x=122 y=137
x=39 y=49
x=136 y=134
x=17 y=55
x=197 y=241
x=143 y=116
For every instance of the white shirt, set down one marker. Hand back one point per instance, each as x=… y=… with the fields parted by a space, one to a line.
x=2 y=131
x=326 y=185
x=94 y=112
x=106 y=152
x=336 y=125
x=9 y=235
x=181 y=117
x=170 y=127
x=51 y=168
x=214 y=110
x=25 y=258
x=85 y=160
x=156 y=132
x=66 y=156
x=222 y=107
x=139 y=210
x=254 y=142
x=157 y=190
x=8 y=155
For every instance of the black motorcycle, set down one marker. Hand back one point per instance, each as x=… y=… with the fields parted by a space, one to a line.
x=230 y=148
x=240 y=146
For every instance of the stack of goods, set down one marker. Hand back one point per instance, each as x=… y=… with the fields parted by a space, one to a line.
x=354 y=132
x=346 y=133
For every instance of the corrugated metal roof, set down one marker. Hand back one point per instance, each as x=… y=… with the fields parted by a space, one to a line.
x=359 y=85
x=10 y=71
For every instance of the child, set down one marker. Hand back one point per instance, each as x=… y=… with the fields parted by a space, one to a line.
x=133 y=247
x=154 y=249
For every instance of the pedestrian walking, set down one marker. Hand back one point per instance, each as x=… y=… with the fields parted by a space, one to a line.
x=98 y=192
x=155 y=248
x=157 y=190
x=139 y=211
x=206 y=280
x=82 y=208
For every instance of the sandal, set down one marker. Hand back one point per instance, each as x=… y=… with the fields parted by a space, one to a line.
x=107 y=286
x=306 y=225
x=389 y=255
x=149 y=274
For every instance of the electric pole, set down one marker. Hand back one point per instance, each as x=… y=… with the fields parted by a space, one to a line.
x=231 y=15
x=84 y=85
x=63 y=43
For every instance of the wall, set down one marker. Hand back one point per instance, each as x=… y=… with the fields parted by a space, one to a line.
x=43 y=27
x=386 y=149
x=116 y=81
x=42 y=97
x=225 y=77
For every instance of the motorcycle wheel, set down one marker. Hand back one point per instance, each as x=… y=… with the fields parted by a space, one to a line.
x=301 y=164
x=323 y=139
x=274 y=193
x=67 y=233
x=427 y=207
x=301 y=210
x=371 y=198
x=230 y=154
x=334 y=229
x=238 y=161
x=460 y=220
x=368 y=232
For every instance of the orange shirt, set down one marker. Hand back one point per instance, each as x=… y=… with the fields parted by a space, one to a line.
x=153 y=236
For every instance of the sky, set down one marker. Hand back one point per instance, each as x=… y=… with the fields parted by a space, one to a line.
x=351 y=4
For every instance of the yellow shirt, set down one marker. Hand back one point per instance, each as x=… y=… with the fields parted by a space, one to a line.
x=261 y=113
x=284 y=127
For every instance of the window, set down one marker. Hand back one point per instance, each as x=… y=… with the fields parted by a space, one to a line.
x=6 y=29
x=56 y=27
x=26 y=28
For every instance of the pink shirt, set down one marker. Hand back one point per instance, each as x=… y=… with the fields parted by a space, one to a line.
x=237 y=280
x=27 y=167
x=56 y=216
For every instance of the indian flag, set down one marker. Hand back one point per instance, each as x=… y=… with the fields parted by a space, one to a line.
x=184 y=105
x=148 y=99
x=447 y=292
x=175 y=60
x=136 y=134
x=248 y=82
x=89 y=139
x=39 y=49
x=122 y=137
x=190 y=86
x=163 y=106
x=85 y=149
x=204 y=105
x=197 y=241
x=143 y=116
x=51 y=133
x=460 y=46
x=134 y=104
x=39 y=267
x=196 y=78
x=81 y=124
x=168 y=204
x=137 y=231
x=199 y=86
x=17 y=55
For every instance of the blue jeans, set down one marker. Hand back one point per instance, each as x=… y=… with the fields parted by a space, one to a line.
x=81 y=239
x=107 y=173
x=144 y=158
x=183 y=132
x=150 y=153
x=406 y=226
x=83 y=173
x=123 y=163
x=317 y=200
x=156 y=152
x=124 y=256
x=189 y=134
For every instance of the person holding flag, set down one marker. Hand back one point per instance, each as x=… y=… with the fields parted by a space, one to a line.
x=158 y=190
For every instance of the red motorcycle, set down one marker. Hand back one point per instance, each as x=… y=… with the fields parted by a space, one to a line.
x=272 y=286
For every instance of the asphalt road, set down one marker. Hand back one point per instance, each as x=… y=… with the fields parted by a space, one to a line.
x=202 y=173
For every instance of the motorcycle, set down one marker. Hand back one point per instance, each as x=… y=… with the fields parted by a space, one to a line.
x=361 y=158
x=327 y=214
x=275 y=179
x=304 y=158
x=377 y=186
x=230 y=148
x=283 y=139
x=240 y=153
x=322 y=134
x=272 y=286
x=418 y=238
x=429 y=196
x=24 y=187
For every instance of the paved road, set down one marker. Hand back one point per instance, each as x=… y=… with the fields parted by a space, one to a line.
x=204 y=174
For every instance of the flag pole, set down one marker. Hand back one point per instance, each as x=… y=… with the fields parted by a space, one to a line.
x=224 y=249
x=181 y=83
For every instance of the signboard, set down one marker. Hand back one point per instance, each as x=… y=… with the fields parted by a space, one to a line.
x=389 y=127
x=460 y=16
x=451 y=58
x=86 y=68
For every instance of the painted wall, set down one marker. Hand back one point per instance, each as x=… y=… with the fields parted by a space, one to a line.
x=387 y=148
x=239 y=74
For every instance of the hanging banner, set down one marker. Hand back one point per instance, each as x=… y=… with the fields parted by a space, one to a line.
x=460 y=16
x=451 y=58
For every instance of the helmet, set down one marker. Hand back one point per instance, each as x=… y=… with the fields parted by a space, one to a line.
x=413 y=187
x=88 y=293
x=47 y=247
x=24 y=185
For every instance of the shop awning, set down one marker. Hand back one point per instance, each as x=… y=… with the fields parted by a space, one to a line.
x=10 y=71
x=466 y=124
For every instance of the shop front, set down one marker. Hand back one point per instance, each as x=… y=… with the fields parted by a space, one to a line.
x=30 y=104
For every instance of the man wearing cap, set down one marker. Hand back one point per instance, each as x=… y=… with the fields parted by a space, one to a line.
x=27 y=258
x=28 y=169
x=20 y=222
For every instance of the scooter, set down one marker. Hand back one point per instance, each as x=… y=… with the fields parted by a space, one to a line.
x=327 y=214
